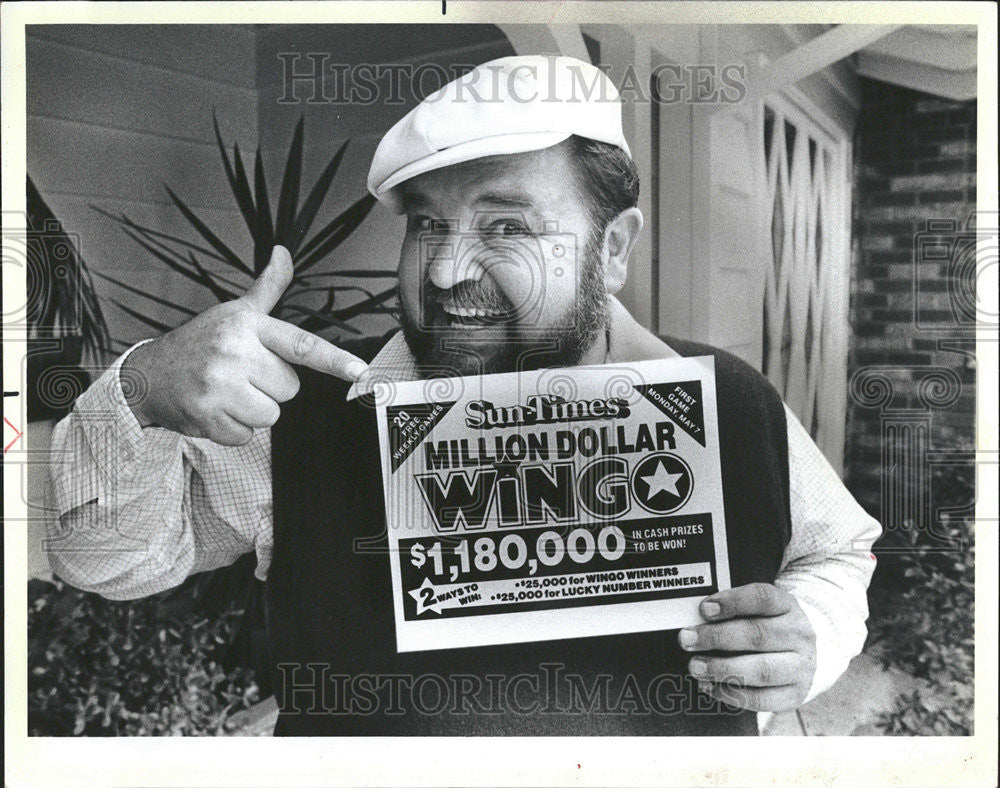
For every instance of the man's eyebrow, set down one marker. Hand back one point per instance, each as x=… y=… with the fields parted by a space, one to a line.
x=506 y=199
x=411 y=199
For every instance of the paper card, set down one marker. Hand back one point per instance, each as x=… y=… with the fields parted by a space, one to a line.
x=552 y=504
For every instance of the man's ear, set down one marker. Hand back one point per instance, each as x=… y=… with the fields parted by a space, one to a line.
x=619 y=238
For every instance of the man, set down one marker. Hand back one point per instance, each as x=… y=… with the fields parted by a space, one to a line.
x=204 y=465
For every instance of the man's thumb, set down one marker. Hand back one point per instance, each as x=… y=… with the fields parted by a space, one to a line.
x=264 y=293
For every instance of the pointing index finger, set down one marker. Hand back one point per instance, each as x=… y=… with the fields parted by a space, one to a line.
x=297 y=346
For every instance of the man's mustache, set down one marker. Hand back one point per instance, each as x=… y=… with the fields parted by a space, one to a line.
x=472 y=295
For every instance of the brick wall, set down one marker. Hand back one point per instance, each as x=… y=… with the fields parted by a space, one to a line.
x=912 y=367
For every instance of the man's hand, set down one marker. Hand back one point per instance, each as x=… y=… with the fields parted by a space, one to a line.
x=774 y=644
x=223 y=373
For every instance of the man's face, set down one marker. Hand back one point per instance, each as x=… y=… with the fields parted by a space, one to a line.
x=500 y=267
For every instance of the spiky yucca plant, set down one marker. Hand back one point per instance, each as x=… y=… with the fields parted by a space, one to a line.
x=212 y=264
x=62 y=302
x=67 y=332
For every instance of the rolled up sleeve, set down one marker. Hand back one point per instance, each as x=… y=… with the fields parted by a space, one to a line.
x=828 y=562
x=138 y=508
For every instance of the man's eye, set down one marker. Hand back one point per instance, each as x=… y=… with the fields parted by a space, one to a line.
x=507 y=228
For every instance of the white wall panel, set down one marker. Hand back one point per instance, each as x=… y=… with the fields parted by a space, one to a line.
x=216 y=53
x=116 y=92
x=116 y=112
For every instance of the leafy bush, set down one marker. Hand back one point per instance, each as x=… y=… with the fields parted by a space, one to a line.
x=930 y=713
x=102 y=668
x=922 y=604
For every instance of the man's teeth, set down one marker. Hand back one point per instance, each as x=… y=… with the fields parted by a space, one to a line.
x=464 y=311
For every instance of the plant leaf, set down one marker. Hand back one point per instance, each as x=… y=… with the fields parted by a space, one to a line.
x=368 y=305
x=161 y=327
x=288 y=198
x=243 y=185
x=150 y=296
x=198 y=275
x=217 y=290
x=375 y=305
x=328 y=289
x=315 y=199
x=330 y=227
x=331 y=236
x=124 y=220
x=172 y=264
x=264 y=236
x=240 y=189
x=71 y=298
x=371 y=273
x=98 y=337
x=318 y=320
x=182 y=260
x=228 y=254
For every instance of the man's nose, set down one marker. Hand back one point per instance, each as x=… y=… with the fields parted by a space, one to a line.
x=454 y=259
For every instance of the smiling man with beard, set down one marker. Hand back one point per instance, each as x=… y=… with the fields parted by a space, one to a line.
x=520 y=199
x=505 y=291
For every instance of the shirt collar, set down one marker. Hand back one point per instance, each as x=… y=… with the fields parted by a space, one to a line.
x=394 y=362
x=627 y=341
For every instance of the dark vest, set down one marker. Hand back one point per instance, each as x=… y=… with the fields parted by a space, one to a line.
x=330 y=612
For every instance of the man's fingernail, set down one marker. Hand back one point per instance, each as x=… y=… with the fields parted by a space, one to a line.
x=356 y=369
x=705 y=686
x=687 y=637
x=698 y=666
x=711 y=609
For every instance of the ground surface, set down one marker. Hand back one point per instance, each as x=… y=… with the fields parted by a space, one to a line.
x=849 y=708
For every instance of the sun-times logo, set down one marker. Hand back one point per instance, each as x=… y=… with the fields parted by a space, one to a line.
x=543 y=409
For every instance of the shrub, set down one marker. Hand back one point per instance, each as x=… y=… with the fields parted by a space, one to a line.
x=922 y=604
x=103 y=668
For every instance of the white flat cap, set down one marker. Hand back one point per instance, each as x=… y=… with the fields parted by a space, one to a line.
x=508 y=105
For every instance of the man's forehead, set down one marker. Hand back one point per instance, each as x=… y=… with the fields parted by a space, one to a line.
x=518 y=181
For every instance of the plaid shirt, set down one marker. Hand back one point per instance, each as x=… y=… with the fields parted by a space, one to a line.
x=141 y=509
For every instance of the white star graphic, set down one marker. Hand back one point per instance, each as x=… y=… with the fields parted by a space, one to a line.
x=421 y=598
x=661 y=480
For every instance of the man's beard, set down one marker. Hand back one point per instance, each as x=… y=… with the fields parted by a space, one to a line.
x=508 y=345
